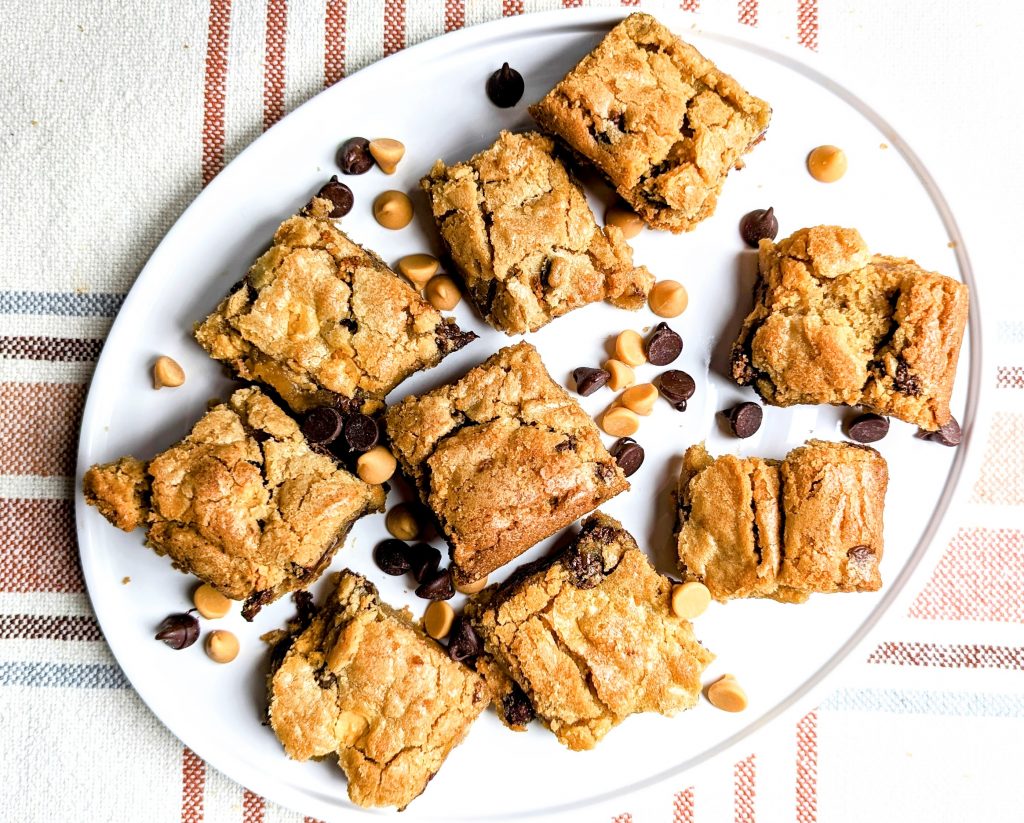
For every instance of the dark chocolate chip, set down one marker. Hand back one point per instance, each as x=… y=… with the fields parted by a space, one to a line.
x=305 y=609
x=760 y=224
x=322 y=425
x=868 y=428
x=451 y=338
x=505 y=87
x=325 y=678
x=860 y=554
x=424 y=560
x=516 y=707
x=676 y=387
x=392 y=557
x=745 y=418
x=664 y=345
x=354 y=156
x=589 y=380
x=339 y=194
x=438 y=586
x=254 y=602
x=179 y=631
x=463 y=642
x=567 y=445
x=361 y=432
x=628 y=454
x=948 y=434
x=905 y=382
x=586 y=568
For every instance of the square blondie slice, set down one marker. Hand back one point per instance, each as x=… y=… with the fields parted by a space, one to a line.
x=503 y=457
x=242 y=502
x=521 y=235
x=590 y=637
x=832 y=323
x=658 y=119
x=362 y=681
x=322 y=321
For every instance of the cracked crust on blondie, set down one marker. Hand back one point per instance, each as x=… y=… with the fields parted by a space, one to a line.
x=750 y=527
x=504 y=457
x=590 y=636
x=521 y=235
x=242 y=502
x=832 y=323
x=658 y=119
x=363 y=682
x=323 y=321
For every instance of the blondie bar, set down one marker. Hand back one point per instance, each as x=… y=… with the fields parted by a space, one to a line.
x=242 y=502
x=812 y=522
x=832 y=323
x=504 y=457
x=590 y=637
x=658 y=119
x=323 y=321
x=520 y=232
x=365 y=683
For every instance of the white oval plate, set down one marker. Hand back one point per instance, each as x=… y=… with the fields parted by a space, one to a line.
x=432 y=98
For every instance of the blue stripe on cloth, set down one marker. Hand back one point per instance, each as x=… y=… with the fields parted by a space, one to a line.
x=62 y=675
x=61 y=303
x=920 y=701
x=1011 y=331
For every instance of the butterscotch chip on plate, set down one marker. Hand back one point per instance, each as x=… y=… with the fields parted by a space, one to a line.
x=832 y=323
x=657 y=119
x=322 y=321
x=520 y=232
x=243 y=502
x=363 y=682
x=504 y=457
x=589 y=636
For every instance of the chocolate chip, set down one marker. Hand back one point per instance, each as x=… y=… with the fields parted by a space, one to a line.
x=567 y=445
x=760 y=224
x=905 y=382
x=628 y=454
x=392 y=557
x=361 y=432
x=424 y=560
x=339 y=194
x=179 y=631
x=322 y=425
x=354 y=156
x=438 y=586
x=860 y=554
x=505 y=87
x=676 y=387
x=463 y=642
x=589 y=380
x=867 y=428
x=516 y=707
x=745 y=418
x=948 y=434
x=586 y=568
x=664 y=345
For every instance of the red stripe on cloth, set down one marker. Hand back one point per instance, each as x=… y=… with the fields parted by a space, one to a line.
x=949 y=656
x=807 y=769
x=1001 y=478
x=630 y=2
x=1010 y=377
x=335 y=18
x=682 y=806
x=253 y=807
x=746 y=12
x=689 y=5
x=511 y=7
x=273 y=62
x=193 y=786
x=311 y=820
x=63 y=349
x=744 y=778
x=39 y=422
x=394 y=26
x=980 y=577
x=625 y=817
x=572 y=4
x=49 y=627
x=454 y=14
x=214 y=82
x=37 y=546
x=807 y=23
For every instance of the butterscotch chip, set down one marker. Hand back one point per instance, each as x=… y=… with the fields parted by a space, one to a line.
x=629 y=348
x=626 y=219
x=438 y=618
x=393 y=209
x=620 y=422
x=376 y=466
x=210 y=602
x=622 y=375
x=221 y=646
x=826 y=163
x=418 y=268
x=726 y=694
x=443 y=293
x=387 y=153
x=167 y=373
x=668 y=298
x=350 y=726
x=640 y=398
x=401 y=522
x=472 y=588
x=690 y=600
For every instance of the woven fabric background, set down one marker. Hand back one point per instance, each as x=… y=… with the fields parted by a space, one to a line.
x=115 y=115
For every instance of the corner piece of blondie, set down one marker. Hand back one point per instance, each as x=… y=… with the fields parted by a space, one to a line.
x=832 y=323
x=323 y=321
x=242 y=502
x=658 y=119
x=363 y=682
x=750 y=527
x=521 y=235
x=503 y=457
x=589 y=637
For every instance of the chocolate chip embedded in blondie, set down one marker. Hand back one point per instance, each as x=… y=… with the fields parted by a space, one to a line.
x=504 y=457
x=590 y=636
x=364 y=682
x=832 y=323
x=783 y=529
x=323 y=321
x=658 y=119
x=242 y=502
x=520 y=232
